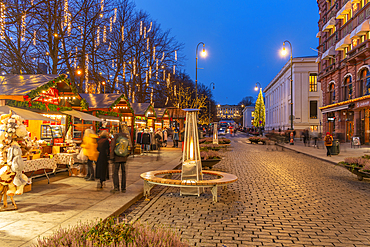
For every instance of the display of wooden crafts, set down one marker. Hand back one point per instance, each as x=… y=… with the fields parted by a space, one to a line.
x=12 y=147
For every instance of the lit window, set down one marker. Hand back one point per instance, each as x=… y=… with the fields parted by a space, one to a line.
x=313 y=82
x=348 y=88
x=331 y=93
x=313 y=109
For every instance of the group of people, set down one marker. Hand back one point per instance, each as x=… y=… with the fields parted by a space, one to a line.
x=100 y=149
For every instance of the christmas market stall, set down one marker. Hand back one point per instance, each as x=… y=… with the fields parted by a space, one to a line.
x=163 y=118
x=112 y=109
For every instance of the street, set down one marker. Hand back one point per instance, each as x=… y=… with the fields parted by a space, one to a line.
x=282 y=198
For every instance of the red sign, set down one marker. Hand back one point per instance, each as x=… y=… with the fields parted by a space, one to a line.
x=50 y=96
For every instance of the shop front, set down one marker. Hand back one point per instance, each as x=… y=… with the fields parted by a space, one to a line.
x=163 y=118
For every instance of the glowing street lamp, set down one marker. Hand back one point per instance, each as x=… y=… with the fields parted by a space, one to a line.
x=203 y=54
x=215 y=133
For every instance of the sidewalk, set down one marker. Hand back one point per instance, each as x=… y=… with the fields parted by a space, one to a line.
x=320 y=153
x=69 y=200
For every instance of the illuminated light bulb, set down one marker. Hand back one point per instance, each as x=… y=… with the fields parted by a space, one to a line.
x=23 y=27
x=105 y=34
x=154 y=53
x=204 y=53
x=34 y=37
x=115 y=15
x=176 y=55
x=2 y=20
x=98 y=36
x=110 y=25
x=123 y=33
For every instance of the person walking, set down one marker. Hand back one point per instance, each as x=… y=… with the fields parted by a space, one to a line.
x=89 y=148
x=328 y=141
x=102 y=163
x=118 y=160
x=175 y=138
x=165 y=137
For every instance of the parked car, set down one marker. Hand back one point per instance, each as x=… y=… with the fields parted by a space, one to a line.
x=221 y=132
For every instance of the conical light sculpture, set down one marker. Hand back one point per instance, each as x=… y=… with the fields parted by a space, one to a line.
x=215 y=133
x=191 y=163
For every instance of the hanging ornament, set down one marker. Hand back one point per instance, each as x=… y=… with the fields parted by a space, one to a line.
x=2 y=20
x=141 y=28
x=174 y=69
x=86 y=72
x=115 y=15
x=150 y=28
x=123 y=33
x=110 y=24
x=176 y=55
x=98 y=36
x=147 y=44
x=23 y=27
x=34 y=38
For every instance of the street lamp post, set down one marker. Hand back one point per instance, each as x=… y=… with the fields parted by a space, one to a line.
x=209 y=102
x=291 y=86
x=196 y=67
x=259 y=113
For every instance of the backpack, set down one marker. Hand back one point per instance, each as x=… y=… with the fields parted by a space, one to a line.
x=122 y=146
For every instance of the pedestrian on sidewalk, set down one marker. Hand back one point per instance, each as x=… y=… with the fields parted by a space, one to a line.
x=119 y=161
x=175 y=138
x=90 y=150
x=165 y=137
x=102 y=163
x=328 y=141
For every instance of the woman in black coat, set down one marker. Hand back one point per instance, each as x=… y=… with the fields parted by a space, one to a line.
x=102 y=163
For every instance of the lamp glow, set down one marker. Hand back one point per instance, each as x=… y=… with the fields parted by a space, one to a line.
x=255 y=88
x=203 y=53
x=283 y=52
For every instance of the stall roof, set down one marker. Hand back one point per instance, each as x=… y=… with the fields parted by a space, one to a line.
x=82 y=115
x=22 y=84
x=25 y=114
x=160 y=112
x=140 y=108
x=176 y=112
x=100 y=100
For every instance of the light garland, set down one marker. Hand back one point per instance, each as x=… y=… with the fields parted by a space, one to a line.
x=86 y=72
x=134 y=66
x=102 y=5
x=23 y=27
x=154 y=53
x=99 y=87
x=144 y=32
x=115 y=15
x=124 y=72
x=82 y=32
x=105 y=34
x=129 y=92
x=141 y=28
x=146 y=77
x=98 y=36
x=110 y=44
x=2 y=20
x=164 y=74
x=112 y=63
x=65 y=13
x=162 y=56
x=168 y=80
x=174 y=69
x=151 y=97
x=156 y=67
x=147 y=43
x=174 y=90
x=34 y=38
x=150 y=72
x=110 y=24
x=175 y=55
x=123 y=33
x=150 y=28
x=133 y=97
x=75 y=62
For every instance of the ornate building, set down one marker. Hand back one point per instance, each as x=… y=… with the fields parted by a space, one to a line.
x=344 y=71
x=229 y=112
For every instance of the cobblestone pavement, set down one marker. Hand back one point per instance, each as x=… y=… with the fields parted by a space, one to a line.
x=282 y=198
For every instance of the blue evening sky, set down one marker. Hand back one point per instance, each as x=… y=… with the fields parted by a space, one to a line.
x=243 y=38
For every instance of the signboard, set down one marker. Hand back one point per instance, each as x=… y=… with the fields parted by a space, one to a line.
x=356 y=141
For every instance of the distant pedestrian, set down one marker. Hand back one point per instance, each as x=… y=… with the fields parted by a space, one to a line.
x=119 y=161
x=175 y=138
x=102 y=163
x=89 y=147
x=165 y=137
x=328 y=141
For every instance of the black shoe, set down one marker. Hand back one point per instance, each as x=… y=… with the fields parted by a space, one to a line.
x=123 y=191
x=114 y=191
x=90 y=179
x=87 y=177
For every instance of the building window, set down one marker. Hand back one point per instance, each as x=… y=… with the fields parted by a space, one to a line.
x=313 y=109
x=348 y=88
x=364 y=82
x=313 y=82
x=332 y=93
x=314 y=128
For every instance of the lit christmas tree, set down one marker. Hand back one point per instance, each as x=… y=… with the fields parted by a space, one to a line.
x=259 y=111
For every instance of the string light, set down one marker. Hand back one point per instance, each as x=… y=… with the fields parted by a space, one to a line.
x=102 y=5
x=150 y=28
x=123 y=33
x=164 y=75
x=34 y=37
x=129 y=92
x=174 y=90
x=110 y=43
x=75 y=62
x=86 y=72
x=82 y=32
x=154 y=53
x=112 y=63
x=23 y=27
x=174 y=69
x=141 y=28
x=65 y=13
x=150 y=72
x=133 y=97
x=147 y=44
x=156 y=66
x=151 y=97
x=144 y=32
x=146 y=77
x=110 y=25
x=134 y=66
x=124 y=72
x=115 y=15
x=98 y=36
x=69 y=26
x=166 y=101
x=176 y=55
x=105 y=34
x=162 y=56
x=2 y=20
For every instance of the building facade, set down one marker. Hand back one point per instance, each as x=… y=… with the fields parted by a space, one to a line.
x=307 y=97
x=248 y=116
x=228 y=112
x=344 y=70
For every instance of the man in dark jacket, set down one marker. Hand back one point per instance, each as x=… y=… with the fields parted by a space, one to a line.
x=119 y=161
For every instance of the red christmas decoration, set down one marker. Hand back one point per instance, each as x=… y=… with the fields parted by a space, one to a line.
x=29 y=104
x=58 y=109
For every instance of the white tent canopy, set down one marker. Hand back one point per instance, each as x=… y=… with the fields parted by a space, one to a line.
x=82 y=115
x=25 y=114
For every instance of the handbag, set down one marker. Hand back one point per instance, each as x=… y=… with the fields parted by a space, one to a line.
x=81 y=156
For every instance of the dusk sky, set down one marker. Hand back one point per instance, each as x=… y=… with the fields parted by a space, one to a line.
x=243 y=38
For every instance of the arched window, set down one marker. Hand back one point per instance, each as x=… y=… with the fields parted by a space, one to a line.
x=364 y=82
x=332 y=93
x=347 y=88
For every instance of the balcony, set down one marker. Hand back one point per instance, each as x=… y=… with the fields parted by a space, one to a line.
x=358 y=53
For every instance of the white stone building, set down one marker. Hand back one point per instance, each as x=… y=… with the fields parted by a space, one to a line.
x=248 y=116
x=307 y=97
